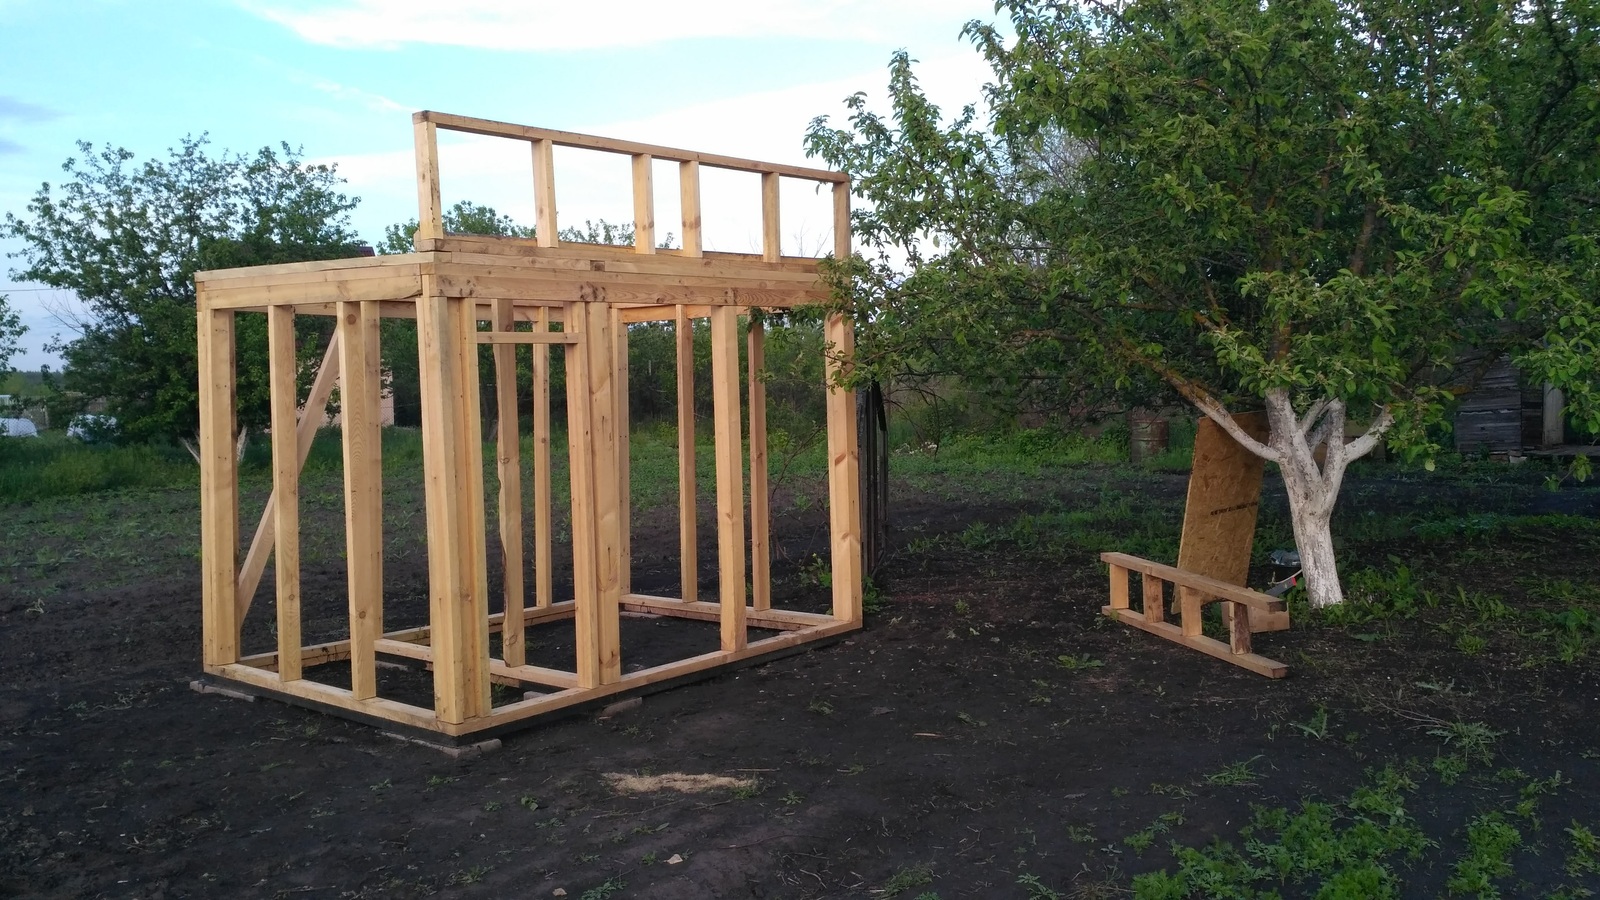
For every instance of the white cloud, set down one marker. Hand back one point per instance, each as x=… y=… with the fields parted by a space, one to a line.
x=550 y=25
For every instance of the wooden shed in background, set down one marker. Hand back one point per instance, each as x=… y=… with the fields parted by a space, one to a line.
x=511 y=294
x=1504 y=415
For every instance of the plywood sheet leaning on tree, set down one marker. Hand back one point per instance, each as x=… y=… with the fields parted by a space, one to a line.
x=1219 y=517
x=1219 y=525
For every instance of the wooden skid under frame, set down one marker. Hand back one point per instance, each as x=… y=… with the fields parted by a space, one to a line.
x=502 y=297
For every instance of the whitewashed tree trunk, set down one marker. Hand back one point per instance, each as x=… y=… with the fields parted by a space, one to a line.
x=1312 y=489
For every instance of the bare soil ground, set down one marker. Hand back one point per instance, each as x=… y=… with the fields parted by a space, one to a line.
x=987 y=734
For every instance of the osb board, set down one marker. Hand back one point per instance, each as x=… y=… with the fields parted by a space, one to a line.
x=1219 y=519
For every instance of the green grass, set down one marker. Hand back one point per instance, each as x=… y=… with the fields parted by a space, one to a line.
x=52 y=465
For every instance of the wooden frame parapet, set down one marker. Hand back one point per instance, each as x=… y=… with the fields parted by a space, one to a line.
x=511 y=296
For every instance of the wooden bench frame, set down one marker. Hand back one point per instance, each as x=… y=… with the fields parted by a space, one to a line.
x=455 y=287
x=1193 y=593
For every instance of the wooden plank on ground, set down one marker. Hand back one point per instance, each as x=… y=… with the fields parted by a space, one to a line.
x=1254 y=662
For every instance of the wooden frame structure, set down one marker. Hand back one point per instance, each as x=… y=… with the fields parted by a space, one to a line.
x=466 y=291
x=1219 y=524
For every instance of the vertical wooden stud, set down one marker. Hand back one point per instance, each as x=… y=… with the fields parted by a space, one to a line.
x=580 y=452
x=282 y=367
x=447 y=587
x=609 y=520
x=508 y=460
x=1189 y=610
x=844 y=460
x=1119 y=587
x=470 y=496
x=689 y=195
x=543 y=578
x=544 y=194
x=644 y=205
x=219 y=487
x=688 y=549
x=730 y=487
x=1238 y=627
x=430 y=214
x=760 y=518
x=1155 y=600
x=359 y=384
x=619 y=387
x=771 y=223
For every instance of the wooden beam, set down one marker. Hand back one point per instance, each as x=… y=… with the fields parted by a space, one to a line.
x=543 y=577
x=508 y=464
x=771 y=222
x=521 y=337
x=312 y=415
x=730 y=487
x=544 y=194
x=219 y=487
x=360 y=380
x=844 y=454
x=1210 y=646
x=282 y=369
x=430 y=210
x=689 y=200
x=777 y=619
x=688 y=549
x=760 y=514
x=644 y=205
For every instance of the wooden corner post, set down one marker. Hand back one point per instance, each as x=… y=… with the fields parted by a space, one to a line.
x=844 y=454
x=219 y=486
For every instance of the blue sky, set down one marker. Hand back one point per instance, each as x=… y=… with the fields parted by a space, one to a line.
x=340 y=78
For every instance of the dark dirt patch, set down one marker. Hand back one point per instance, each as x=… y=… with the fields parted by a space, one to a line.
x=946 y=748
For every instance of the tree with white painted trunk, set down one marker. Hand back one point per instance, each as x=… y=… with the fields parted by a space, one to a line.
x=1339 y=211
